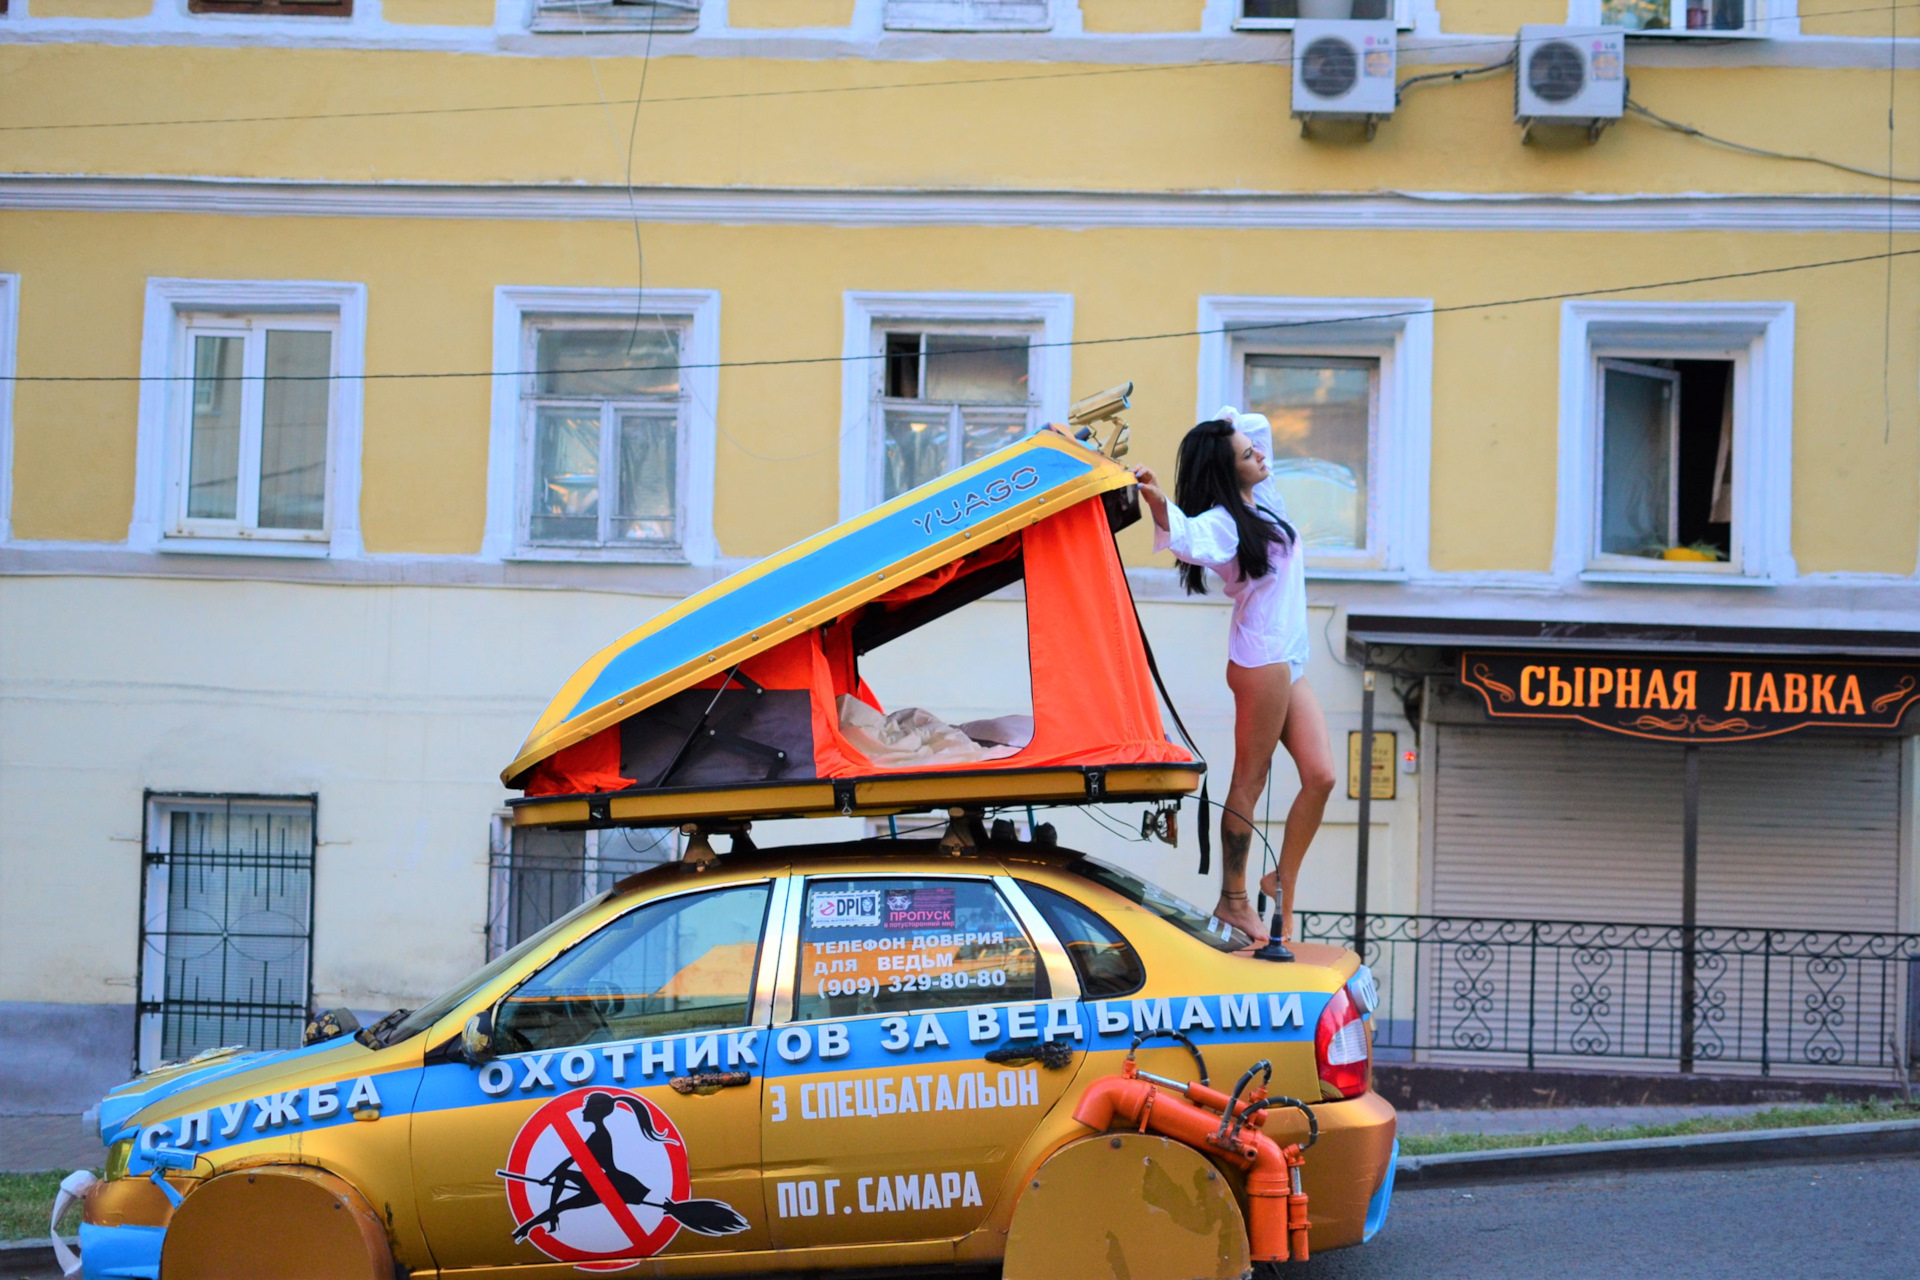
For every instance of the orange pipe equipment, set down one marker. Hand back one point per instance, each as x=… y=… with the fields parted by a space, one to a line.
x=1277 y=1222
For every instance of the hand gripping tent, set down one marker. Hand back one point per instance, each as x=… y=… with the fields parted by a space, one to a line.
x=746 y=700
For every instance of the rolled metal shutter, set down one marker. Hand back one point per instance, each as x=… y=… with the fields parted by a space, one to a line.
x=1799 y=844
x=1795 y=833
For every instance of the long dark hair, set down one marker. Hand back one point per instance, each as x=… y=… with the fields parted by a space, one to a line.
x=1206 y=476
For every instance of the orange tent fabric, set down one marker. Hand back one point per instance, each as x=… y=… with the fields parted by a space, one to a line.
x=1093 y=694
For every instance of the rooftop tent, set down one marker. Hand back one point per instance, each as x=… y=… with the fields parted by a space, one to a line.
x=745 y=700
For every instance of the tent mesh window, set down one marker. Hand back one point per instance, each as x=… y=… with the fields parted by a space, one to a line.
x=538 y=875
x=227 y=930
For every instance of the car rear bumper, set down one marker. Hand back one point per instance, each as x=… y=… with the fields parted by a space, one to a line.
x=1349 y=1174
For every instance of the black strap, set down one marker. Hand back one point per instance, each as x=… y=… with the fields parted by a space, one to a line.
x=1146 y=646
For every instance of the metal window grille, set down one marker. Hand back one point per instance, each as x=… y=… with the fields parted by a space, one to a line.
x=226 y=929
x=537 y=875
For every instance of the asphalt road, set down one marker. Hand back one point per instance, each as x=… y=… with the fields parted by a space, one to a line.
x=1854 y=1221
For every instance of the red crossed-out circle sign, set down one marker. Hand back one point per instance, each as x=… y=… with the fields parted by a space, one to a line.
x=589 y=1158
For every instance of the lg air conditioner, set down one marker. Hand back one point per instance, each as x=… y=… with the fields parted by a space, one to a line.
x=1343 y=70
x=1570 y=76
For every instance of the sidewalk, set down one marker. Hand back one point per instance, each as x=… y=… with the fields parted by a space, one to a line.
x=1429 y=1124
x=43 y=1144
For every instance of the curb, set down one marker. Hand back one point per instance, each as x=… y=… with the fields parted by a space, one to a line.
x=31 y=1253
x=1693 y=1151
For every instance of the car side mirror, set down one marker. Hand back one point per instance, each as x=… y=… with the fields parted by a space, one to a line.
x=476 y=1038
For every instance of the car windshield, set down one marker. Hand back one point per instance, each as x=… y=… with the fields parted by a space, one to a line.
x=1177 y=912
x=437 y=1008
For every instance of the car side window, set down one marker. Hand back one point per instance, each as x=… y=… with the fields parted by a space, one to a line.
x=1106 y=962
x=894 y=943
x=683 y=964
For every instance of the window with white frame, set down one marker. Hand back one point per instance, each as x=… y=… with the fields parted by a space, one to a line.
x=603 y=414
x=616 y=15
x=1269 y=14
x=1681 y=17
x=1324 y=410
x=255 y=431
x=946 y=398
x=9 y=312
x=969 y=15
x=1676 y=441
x=250 y=408
x=1665 y=469
x=933 y=381
x=1347 y=385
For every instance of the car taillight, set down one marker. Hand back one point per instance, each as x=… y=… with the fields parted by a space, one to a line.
x=1340 y=1048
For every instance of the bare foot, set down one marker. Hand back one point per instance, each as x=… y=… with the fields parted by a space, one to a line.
x=1239 y=913
x=1270 y=885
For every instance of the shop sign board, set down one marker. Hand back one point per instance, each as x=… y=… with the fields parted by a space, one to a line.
x=1687 y=698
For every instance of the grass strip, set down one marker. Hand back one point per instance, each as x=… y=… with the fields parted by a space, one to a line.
x=25 y=1201
x=1794 y=1117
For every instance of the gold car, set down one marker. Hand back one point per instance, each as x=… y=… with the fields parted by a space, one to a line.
x=874 y=1054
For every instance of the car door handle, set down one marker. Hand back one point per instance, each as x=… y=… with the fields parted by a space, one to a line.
x=709 y=1081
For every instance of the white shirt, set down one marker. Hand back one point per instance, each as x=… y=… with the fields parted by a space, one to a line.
x=1269 y=612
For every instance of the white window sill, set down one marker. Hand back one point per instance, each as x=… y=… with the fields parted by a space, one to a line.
x=598 y=555
x=1354 y=573
x=282 y=548
x=563 y=21
x=1286 y=24
x=1678 y=577
x=1681 y=34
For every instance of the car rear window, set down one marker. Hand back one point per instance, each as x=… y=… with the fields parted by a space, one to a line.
x=1107 y=964
x=888 y=944
x=1182 y=915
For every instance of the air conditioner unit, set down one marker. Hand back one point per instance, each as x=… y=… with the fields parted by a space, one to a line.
x=1343 y=70
x=1570 y=76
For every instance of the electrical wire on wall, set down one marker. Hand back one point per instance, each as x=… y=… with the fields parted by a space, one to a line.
x=1265 y=327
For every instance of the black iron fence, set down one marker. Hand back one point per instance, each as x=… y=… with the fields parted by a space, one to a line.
x=1562 y=992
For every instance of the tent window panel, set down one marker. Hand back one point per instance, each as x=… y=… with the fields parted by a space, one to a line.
x=605 y=414
x=1666 y=459
x=1323 y=412
x=947 y=399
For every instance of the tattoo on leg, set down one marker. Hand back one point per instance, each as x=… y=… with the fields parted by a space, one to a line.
x=1234 y=846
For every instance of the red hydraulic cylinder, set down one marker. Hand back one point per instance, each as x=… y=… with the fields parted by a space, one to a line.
x=1277 y=1219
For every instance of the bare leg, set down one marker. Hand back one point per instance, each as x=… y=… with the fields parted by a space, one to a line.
x=1305 y=737
x=1260 y=697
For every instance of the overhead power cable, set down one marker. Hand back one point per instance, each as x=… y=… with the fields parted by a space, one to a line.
x=1719 y=277
x=1462 y=47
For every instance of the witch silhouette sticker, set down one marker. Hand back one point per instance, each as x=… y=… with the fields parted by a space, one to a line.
x=598 y=1178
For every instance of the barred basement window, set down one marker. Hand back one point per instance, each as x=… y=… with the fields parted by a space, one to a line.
x=538 y=875
x=226 y=929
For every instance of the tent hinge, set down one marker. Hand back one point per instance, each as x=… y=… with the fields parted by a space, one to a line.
x=1096 y=785
x=843 y=796
x=599 y=809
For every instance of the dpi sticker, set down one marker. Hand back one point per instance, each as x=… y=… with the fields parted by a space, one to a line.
x=598 y=1177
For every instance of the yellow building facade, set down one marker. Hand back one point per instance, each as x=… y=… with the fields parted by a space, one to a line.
x=372 y=363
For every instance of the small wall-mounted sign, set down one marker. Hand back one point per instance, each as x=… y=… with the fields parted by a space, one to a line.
x=1385 y=749
x=1685 y=698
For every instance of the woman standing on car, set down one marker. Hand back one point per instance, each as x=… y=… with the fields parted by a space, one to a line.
x=1227 y=515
